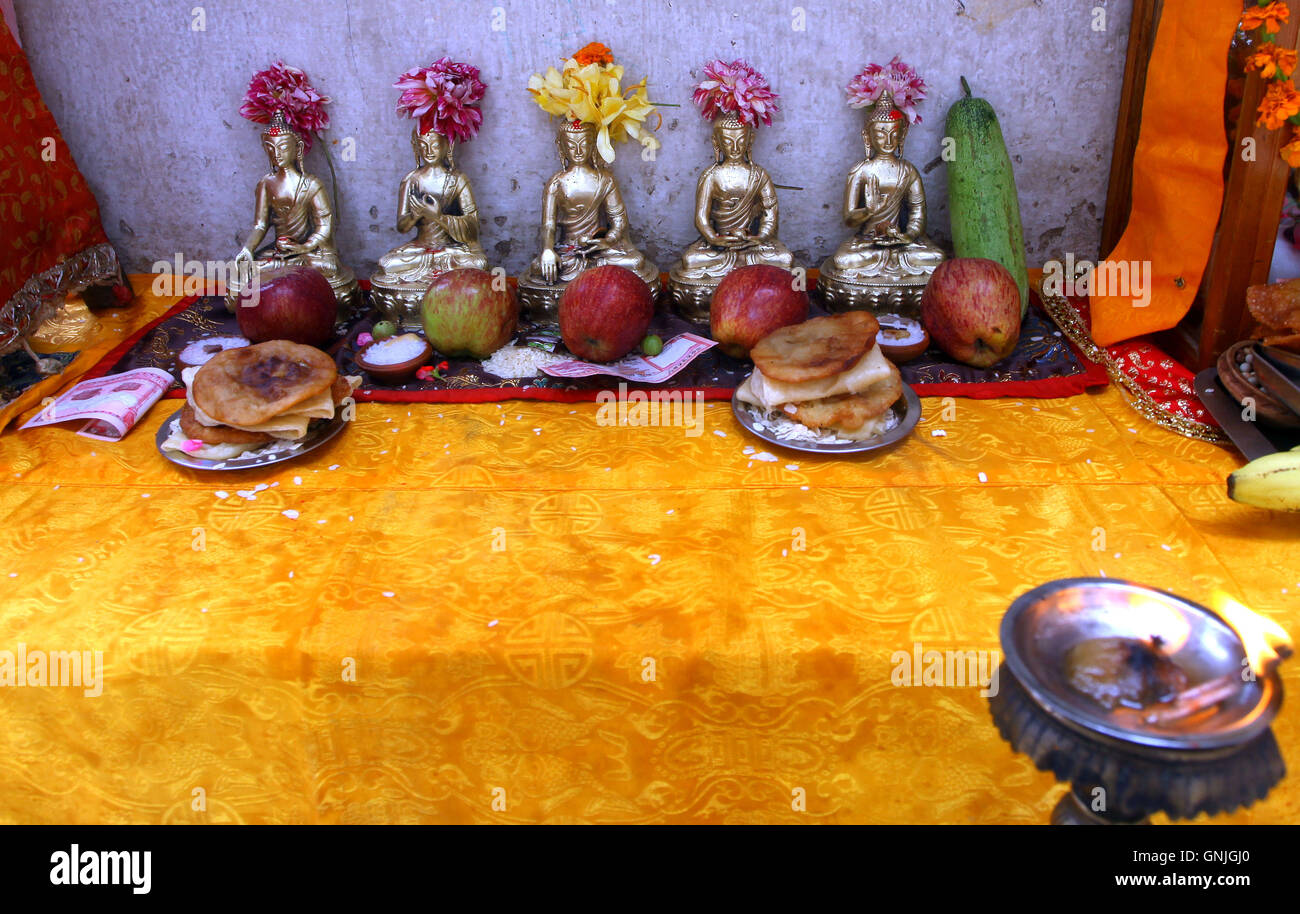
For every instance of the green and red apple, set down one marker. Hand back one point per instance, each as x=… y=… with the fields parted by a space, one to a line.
x=971 y=309
x=466 y=314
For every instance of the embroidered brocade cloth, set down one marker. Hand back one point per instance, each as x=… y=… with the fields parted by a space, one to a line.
x=606 y=624
x=1043 y=365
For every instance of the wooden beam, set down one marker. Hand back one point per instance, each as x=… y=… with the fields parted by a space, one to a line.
x=1119 y=193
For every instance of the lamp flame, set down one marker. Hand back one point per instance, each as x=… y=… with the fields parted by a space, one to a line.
x=1266 y=643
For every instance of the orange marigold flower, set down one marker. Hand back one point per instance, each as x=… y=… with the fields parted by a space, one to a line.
x=594 y=53
x=1281 y=101
x=1271 y=16
x=1270 y=60
x=1291 y=151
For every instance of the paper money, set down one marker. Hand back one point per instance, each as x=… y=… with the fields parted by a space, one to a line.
x=678 y=352
x=111 y=404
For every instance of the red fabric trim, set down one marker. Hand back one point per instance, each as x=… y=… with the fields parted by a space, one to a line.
x=501 y=394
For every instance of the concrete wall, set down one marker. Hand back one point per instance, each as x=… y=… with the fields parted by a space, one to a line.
x=149 y=104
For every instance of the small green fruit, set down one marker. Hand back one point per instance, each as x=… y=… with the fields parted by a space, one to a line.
x=383 y=330
x=652 y=345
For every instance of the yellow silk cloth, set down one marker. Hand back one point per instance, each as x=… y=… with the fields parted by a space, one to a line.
x=554 y=621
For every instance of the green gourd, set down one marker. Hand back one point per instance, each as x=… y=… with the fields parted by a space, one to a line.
x=982 y=200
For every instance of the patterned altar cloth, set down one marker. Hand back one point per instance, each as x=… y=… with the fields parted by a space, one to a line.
x=506 y=612
x=1043 y=364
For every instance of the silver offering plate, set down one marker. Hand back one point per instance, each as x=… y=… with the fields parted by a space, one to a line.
x=1042 y=625
x=318 y=432
x=907 y=408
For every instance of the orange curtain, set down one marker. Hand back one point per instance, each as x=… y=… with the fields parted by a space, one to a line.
x=1177 y=168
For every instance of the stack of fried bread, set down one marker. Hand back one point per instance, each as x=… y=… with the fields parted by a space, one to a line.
x=827 y=374
x=247 y=398
x=1277 y=308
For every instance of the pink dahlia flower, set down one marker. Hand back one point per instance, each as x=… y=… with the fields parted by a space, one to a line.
x=901 y=80
x=283 y=88
x=737 y=87
x=444 y=98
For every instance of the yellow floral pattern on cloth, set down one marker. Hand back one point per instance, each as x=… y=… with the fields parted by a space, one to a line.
x=509 y=613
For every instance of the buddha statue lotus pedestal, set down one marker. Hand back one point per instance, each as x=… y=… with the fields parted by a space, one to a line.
x=886 y=265
x=436 y=200
x=295 y=207
x=736 y=214
x=584 y=225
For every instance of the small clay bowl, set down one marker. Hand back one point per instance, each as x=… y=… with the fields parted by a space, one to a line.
x=899 y=352
x=1268 y=408
x=396 y=373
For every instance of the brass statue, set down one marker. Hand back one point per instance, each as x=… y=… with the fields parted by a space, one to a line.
x=435 y=199
x=886 y=264
x=297 y=206
x=584 y=225
x=736 y=214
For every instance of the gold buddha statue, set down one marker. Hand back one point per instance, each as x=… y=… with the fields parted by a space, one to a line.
x=297 y=206
x=736 y=214
x=885 y=266
x=436 y=200
x=584 y=225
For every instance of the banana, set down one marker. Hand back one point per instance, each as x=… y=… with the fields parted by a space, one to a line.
x=1272 y=481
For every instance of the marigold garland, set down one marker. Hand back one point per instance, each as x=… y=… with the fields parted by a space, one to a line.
x=1281 y=103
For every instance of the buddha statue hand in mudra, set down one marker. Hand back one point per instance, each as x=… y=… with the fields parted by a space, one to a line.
x=436 y=200
x=736 y=209
x=295 y=207
x=886 y=264
x=584 y=225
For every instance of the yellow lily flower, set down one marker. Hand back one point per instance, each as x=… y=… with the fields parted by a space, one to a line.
x=593 y=94
x=550 y=91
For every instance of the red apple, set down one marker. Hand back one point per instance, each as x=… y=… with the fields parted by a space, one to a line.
x=750 y=303
x=467 y=313
x=604 y=313
x=971 y=309
x=292 y=303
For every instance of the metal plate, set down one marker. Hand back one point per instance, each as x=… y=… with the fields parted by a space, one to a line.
x=1042 y=625
x=317 y=434
x=908 y=408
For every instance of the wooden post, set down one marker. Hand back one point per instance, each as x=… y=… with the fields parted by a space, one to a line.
x=1119 y=193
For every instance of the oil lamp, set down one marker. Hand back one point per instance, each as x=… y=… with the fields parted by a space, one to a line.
x=1143 y=701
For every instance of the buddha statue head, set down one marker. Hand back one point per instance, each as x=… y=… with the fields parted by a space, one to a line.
x=576 y=142
x=432 y=148
x=886 y=129
x=732 y=139
x=283 y=146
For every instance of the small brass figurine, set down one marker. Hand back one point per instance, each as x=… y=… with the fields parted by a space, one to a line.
x=584 y=221
x=289 y=201
x=736 y=209
x=435 y=198
x=885 y=265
